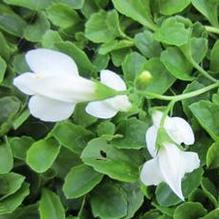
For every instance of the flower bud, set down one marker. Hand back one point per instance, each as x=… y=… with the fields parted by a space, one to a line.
x=143 y=80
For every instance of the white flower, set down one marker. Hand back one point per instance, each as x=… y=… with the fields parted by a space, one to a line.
x=169 y=164
x=55 y=85
x=110 y=107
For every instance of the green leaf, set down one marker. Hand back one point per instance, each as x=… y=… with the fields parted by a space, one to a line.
x=215 y=98
x=71 y=136
x=50 y=38
x=31 y=4
x=212 y=158
x=133 y=134
x=42 y=154
x=9 y=204
x=108 y=201
x=212 y=214
x=6 y=159
x=115 y=45
x=210 y=190
x=103 y=26
x=206 y=113
x=166 y=197
x=9 y=108
x=20 y=119
x=138 y=10
x=20 y=145
x=118 y=56
x=6 y=48
x=135 y=198
x=9 y=184
x=84 y=64
x=195 y=85
x=3 y=67
x=189 y=210
x=76 y=4
x=106 y=128
x=62 y=15
x=51 y=206
x=201 y=147
x=81 y=117
x=209 y=9
x=35 y=31
x=80 y=180
x=214 y=65
x=132 y=66
x=19 y=64
x=172 y=32
x=89 y=7
x=27 y=212
x=177 y=64
x=11 y=23
x=64 y=162
x=169 y=7
x=102 y=3
x=106 y=159
x=152 y=214
x=147 y=45
x=168 y=212
x=158 y=71
x=199 y=48
x=101 y=61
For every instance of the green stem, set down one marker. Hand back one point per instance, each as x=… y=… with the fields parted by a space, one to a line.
x=212 y=29
x=126 y=37
x=162 y=135
x=203 y=72
x=181 y=96
x=166 y=112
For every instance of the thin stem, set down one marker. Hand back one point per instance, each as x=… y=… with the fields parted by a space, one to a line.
x=181 y=96
x=162 y=123
x=152 y=26
x=156 y=96
x=126 y=37
x=203 y=72
x=196 y=93
x=212 y=29
x=166 y=112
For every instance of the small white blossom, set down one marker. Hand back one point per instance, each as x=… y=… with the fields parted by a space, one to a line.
x=110 y=107
x=169 y=164
x=55 y=85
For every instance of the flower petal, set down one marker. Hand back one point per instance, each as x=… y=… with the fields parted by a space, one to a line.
x=64 y=88
x=46 y=61
x=50 y=110
x=156 y=118
x=23 y=82
x=101 y=109
x=151 y=137
x=112 y=80
x=180 y=130
x=150 y=173
x=119 y=103
x=190 y=161
x=171 y=167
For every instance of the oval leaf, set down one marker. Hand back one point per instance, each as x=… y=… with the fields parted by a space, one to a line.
x=6 y=159
x=42 y=154
x=80 y=180
x=50 y=206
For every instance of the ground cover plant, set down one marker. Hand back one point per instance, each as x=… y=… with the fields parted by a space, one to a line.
x=109 y=109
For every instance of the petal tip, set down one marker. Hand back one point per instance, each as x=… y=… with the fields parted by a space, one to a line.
x=100 y=110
